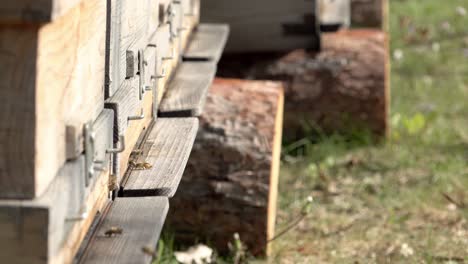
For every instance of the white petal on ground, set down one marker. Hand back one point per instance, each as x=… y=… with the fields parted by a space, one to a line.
x=461 y=10
x=199 y=254
x=398 y=54
x=406 y=251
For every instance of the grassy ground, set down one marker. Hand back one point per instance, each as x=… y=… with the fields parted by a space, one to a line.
x=404 y=201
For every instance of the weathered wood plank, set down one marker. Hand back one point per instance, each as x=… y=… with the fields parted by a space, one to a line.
x=47 y=229
x=113 y=48
x=125 y=103
x=134 y=22
x=140 y=221
x=165 y=61
x=186 y=93
x=168 y=53
x=267 y=25
x=51 y=77
x=334 y=14
x=132 y=129
x=166 y=151
x=34 y=11
x=207 y=43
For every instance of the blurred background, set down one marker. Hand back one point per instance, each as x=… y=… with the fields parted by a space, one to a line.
x=400 y=198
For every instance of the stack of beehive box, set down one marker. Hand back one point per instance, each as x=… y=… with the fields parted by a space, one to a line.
x=82 y=82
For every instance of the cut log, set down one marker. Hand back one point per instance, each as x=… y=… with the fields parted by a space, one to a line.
x=369 y=13
x=230 y=183
x=343 y=88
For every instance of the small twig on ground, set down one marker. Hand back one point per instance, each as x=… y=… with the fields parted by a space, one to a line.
x=452 y=200
x=303 y=214
x=445 y=259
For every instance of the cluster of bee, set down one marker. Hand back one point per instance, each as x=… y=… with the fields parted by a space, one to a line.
x=138 y=165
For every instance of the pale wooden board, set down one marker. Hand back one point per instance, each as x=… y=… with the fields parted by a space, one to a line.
x=207 y=43
x=275 y=173
x=187 y=6
x=186 y=93
x=35 y=231
x=168 y=47
x=34 y=11
x=151 y=98
x=335 y=13
x=264 y=25
x=162 y=41
x=131 y=131
x=141 y=220
x=51 y=77
x=150 y=66
x=136 y=17
x=167 y=148
x=125 y=102
x=133 y=24
x=113 y=48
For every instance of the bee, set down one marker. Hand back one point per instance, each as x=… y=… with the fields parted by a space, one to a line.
x=149 y=251
x=137 y=152
x=113 y=185
x=113 y=231
x=140 y=165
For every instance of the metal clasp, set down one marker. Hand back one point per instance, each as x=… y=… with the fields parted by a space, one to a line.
x=120 y=149
x=91 y=164
x=139 y=117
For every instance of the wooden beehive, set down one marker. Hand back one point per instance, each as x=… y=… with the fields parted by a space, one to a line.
x=266 y=25
x=81 y=84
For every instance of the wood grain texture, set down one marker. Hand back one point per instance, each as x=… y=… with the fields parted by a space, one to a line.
x=37 y=231
x=265 y=25
x=18 y=46
x=167 y=149
x=186 y=93
x=113 y=48
x=141 y=221
x=162 y=40
x=230 y=182
x=52 y=77
x=34 y=11
x=125 y=102
x=132 y=133
x=167 y=47
x=134 y=22
x=207 y=42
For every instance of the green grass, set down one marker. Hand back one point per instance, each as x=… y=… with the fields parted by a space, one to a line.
x=390 y=203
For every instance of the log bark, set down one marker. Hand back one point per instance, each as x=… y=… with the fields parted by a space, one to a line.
x=342 y=88
x=369 y=13
x=230 y=182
